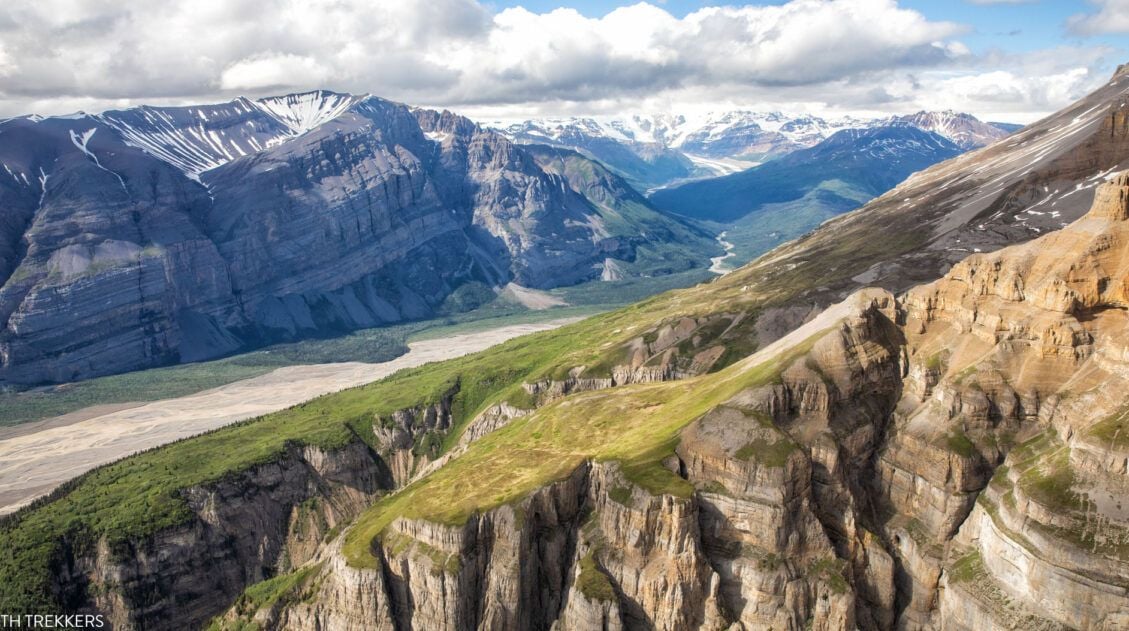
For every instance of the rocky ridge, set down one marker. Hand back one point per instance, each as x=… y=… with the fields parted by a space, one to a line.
x=149 y=236
x=660 y=150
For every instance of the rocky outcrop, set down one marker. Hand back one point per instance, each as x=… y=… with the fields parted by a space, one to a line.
x=1019 y=357
x=411 y=438
x=668 y=351
x=241 y=531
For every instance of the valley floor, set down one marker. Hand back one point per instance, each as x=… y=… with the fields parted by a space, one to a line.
x=34 y=462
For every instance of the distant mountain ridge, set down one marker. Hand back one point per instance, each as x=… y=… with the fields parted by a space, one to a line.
x=657 y=150
x=871 y=160
x=782 y=199
x=147 y=236
x=964 y=130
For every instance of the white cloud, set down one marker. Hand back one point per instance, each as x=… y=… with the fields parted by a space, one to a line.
x=272 y=70
x=1112 y=17
x=7 y=65
x=1003 y=93
x=639 y=48
x=57 y=54
x=451 y=51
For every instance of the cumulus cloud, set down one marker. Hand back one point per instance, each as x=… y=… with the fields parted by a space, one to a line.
x=57 y=54
x=1112 y=18
x=272 y=70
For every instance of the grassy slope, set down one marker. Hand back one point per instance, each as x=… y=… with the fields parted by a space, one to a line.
x=636 y=425
x=139 y=495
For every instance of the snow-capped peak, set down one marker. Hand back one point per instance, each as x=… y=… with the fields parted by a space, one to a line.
x=736 y=133
x=196 y=139
x=307 y=110
x=965 y=130
x=692 y=133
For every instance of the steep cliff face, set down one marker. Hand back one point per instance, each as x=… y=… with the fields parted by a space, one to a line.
x=752 y=539
x=154 y=235
x=1007 y=469
x=953 y=458
x=241 y=531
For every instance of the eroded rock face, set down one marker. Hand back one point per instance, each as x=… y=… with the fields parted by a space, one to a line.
x=150 y=236
x=1019 y=375
x=951 y=459
x=242 y=530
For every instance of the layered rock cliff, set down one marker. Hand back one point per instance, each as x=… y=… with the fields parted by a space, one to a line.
x=240 y=531
x=952 y=458
x=1016 y=405
x=148 y=236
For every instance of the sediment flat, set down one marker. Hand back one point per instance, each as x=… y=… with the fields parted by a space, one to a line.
x=34 y=459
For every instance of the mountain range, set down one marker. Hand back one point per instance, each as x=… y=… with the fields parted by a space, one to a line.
x=912 y=417
x=654 y=151
x=864 y=162
x=152 y=235
x=780 y=200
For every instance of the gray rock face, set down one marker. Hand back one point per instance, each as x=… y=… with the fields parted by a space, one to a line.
x=183 y=576
x=148 y=236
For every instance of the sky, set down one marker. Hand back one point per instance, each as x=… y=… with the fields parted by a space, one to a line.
x=1001 y=60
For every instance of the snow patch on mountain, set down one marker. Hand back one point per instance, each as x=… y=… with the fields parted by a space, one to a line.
x=738 y=133
x=965 y=130
x=81 y=140
x=197 y=139
x=306 y=111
